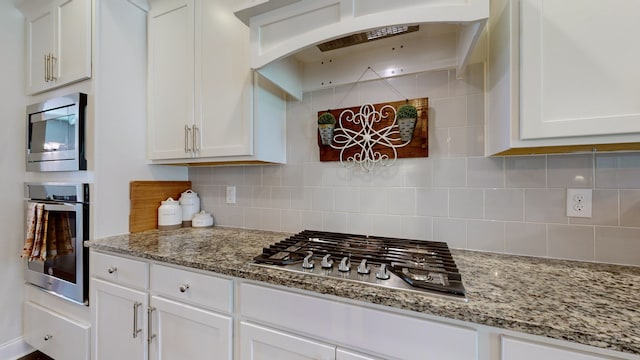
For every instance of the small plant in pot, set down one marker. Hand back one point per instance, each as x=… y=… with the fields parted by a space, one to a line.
x=407 y=116
x=326 y=124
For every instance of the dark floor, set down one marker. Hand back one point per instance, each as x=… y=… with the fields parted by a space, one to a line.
x=36 y=356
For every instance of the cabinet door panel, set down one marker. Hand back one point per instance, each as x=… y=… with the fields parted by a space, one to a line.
x=171 y=76
x=114 y=310
x=260 y=343
x=186 y=332
x=514 y=349
x=73 y=41
x=348 y=355
x=39 y=40
x=579 y=73
x=224 y=81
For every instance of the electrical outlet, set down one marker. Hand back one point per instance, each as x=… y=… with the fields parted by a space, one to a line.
x=231 y=194
x=579 y=203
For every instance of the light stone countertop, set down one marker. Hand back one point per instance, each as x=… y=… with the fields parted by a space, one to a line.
x=586 y=303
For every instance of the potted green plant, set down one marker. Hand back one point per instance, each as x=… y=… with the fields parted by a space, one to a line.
x=407 y=116
x=326 y=124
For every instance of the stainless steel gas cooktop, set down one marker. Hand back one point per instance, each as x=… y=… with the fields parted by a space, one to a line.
x=414 y=265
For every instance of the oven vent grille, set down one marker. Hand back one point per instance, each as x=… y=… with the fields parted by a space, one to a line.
x=367 y=36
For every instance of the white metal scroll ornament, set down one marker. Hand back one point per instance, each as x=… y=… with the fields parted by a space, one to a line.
x=367 y=137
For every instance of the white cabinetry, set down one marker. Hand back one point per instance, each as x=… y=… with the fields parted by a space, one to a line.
x=562 y=76
x=204 y=104
x=515 y=349
x=342 y=354
x=58 y=43
x=261 y=343
x=175 y=317
x=119 y=303
x=353 y=327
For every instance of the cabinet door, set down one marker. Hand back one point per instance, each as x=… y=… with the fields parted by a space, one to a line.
x=39 y=44
x=342 y=354
x=514 y=349
x=579 y=68
x=260 y=343
x=224 y=82
x=181 y=331
x=171 y=76
x=119 y=320
x=72 y=47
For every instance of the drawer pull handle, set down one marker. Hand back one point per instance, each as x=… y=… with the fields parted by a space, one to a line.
x=112 y=269
x=47 y=337
x=184 y=287
x=136 y=331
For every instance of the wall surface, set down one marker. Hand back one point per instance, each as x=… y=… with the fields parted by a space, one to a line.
x=12 y=105
x=503 y=204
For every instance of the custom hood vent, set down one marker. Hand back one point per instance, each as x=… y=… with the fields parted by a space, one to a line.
x=288 y=35
x=363 y=37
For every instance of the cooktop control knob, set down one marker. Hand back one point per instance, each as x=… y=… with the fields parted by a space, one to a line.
x=363 y=268
x=326 y=263
x=307 y=263
x=382 y=273
x=345 y=265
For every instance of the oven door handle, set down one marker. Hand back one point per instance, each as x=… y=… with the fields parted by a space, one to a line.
x=59 y=206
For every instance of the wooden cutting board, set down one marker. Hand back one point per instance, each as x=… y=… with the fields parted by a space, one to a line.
x=145 y=198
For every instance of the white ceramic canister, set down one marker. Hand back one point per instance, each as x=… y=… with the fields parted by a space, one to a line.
x=190 y=203
x=202 y=219
x=169 y=215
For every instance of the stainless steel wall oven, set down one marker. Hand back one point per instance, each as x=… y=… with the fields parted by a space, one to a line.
x=57 y=225
x=56 y=134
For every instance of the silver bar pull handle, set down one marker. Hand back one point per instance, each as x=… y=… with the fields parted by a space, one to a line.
x=149 y=324
x=136 y=331
x=187 y=130
x=46 y=67
x=195 y=138
x=52 y=63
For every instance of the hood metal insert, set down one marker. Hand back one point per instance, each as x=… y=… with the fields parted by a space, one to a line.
x=367 y=36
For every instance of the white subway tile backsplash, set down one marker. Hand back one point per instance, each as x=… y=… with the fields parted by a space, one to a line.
x=570 y=171
x=526 y=172
x=322 y=199
x=545 y=205
x=526 y=239
x=576 y=242
x=485 y=172
x=505 y=204
x=485 y=235
x=615 y=171
x=630 y=208
x=466 y=203
x=432 y=202
x=450 y=172
x=618 y=245
x=417 y=227
x=451 y=231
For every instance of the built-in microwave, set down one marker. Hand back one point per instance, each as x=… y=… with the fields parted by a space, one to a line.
x=56 y=134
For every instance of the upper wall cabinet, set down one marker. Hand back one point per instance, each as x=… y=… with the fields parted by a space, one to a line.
x=205 y=106
x=563 y=76
x=58 y=43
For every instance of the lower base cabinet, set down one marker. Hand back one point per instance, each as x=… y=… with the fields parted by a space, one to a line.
x=516 y=349
x=261 y=343
x=181 y=331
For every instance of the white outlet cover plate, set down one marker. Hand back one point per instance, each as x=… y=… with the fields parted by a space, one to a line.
x=579 y=203
x=231 y=194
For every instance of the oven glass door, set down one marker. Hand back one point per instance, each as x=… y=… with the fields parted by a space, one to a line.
x=61 y=269
x=52 y=134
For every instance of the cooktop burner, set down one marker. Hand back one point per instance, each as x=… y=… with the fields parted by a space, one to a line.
x=423 y=266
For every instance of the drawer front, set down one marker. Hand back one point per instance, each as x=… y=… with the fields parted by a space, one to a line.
x=385 y=334
x=199 y=289
x=120 y=270
x=55 y=335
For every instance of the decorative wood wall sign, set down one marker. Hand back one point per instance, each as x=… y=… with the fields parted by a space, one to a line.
x=373 y=134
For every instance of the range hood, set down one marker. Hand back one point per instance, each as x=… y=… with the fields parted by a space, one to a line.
x=285 y=35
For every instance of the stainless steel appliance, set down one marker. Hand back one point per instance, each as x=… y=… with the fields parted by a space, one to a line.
x=423 y=266
x=67 y=219
x=56 y=134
